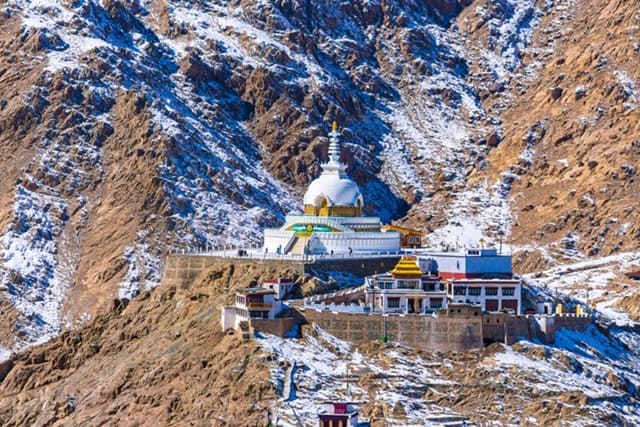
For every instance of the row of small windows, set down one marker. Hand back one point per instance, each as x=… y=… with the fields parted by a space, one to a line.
x=408 y=284
x=254 y=314
x=393 y=302
x=434 y=303
x=476 y=291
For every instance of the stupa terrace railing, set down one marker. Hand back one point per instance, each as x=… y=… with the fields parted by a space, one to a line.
x=257 y=253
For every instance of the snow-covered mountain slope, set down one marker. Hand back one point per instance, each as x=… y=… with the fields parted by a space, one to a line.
x=584 y=379
x=597 y=283
x=137 y=126
x=164 y=359
x=570 y=132
x=129 y=128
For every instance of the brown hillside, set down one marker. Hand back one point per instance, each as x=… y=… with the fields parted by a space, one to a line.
x=162 y=360
x=163 y=138
x=571 y=141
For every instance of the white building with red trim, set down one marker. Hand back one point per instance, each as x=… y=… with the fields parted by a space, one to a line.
x=477 y=276
x=338 y=414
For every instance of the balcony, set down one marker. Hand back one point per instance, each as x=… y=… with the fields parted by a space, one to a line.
x=264 y=305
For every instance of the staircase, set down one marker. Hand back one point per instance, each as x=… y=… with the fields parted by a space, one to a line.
x=298 y=246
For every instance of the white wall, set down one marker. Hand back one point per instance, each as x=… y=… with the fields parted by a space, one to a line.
x=228 y=318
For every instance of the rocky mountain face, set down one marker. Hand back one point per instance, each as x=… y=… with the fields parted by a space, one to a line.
x=570 y=143
x=162 y=359
x=130 y=128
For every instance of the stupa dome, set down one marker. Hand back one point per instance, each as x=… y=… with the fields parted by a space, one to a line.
x=336 y=189
x=333 y=193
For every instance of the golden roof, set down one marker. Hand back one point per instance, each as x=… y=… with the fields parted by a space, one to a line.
x=402 y=230
x=407 y=266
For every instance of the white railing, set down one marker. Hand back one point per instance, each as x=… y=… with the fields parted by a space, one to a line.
x=322 y=297
x=338 y=308
x=256 y=252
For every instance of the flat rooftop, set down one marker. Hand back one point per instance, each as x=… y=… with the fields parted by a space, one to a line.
x=256 y=291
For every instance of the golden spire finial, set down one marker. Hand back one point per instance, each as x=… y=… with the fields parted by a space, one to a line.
x=334 y=126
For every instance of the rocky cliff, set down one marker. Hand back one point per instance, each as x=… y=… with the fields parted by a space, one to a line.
x=569 y=145
x=129 y=128
x=163 y=360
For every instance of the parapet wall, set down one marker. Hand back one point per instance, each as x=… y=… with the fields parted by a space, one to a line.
x=425 y=332
x=183 y=269
x=500 y=327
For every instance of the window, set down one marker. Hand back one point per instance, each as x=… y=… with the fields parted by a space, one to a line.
x=393 y=303
x=435 y=303
x=491 y=291
x=491 y=304
x=385 y=284
x=474 y=291
x=508 y=291
x=408 y=284
x=459 y=290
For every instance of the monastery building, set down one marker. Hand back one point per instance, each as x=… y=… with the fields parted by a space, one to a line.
x=476 y=276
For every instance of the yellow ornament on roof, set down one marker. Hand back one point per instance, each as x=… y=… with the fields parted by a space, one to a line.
x=407 y=266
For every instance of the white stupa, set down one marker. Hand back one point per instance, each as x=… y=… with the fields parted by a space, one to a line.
x=332 y=220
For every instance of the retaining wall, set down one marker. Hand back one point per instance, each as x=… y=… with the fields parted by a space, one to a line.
x=183 y=269
x=499 y=327
x=445 y=333
x=279 y=326
x=425 y=332
x=359 y=267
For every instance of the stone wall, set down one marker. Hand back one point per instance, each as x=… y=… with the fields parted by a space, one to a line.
x=573 y=322
x=183 y=269
x=498 y=327
x=359 y=267
x=445 y=333
x=279 y=326
x=425 y=332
